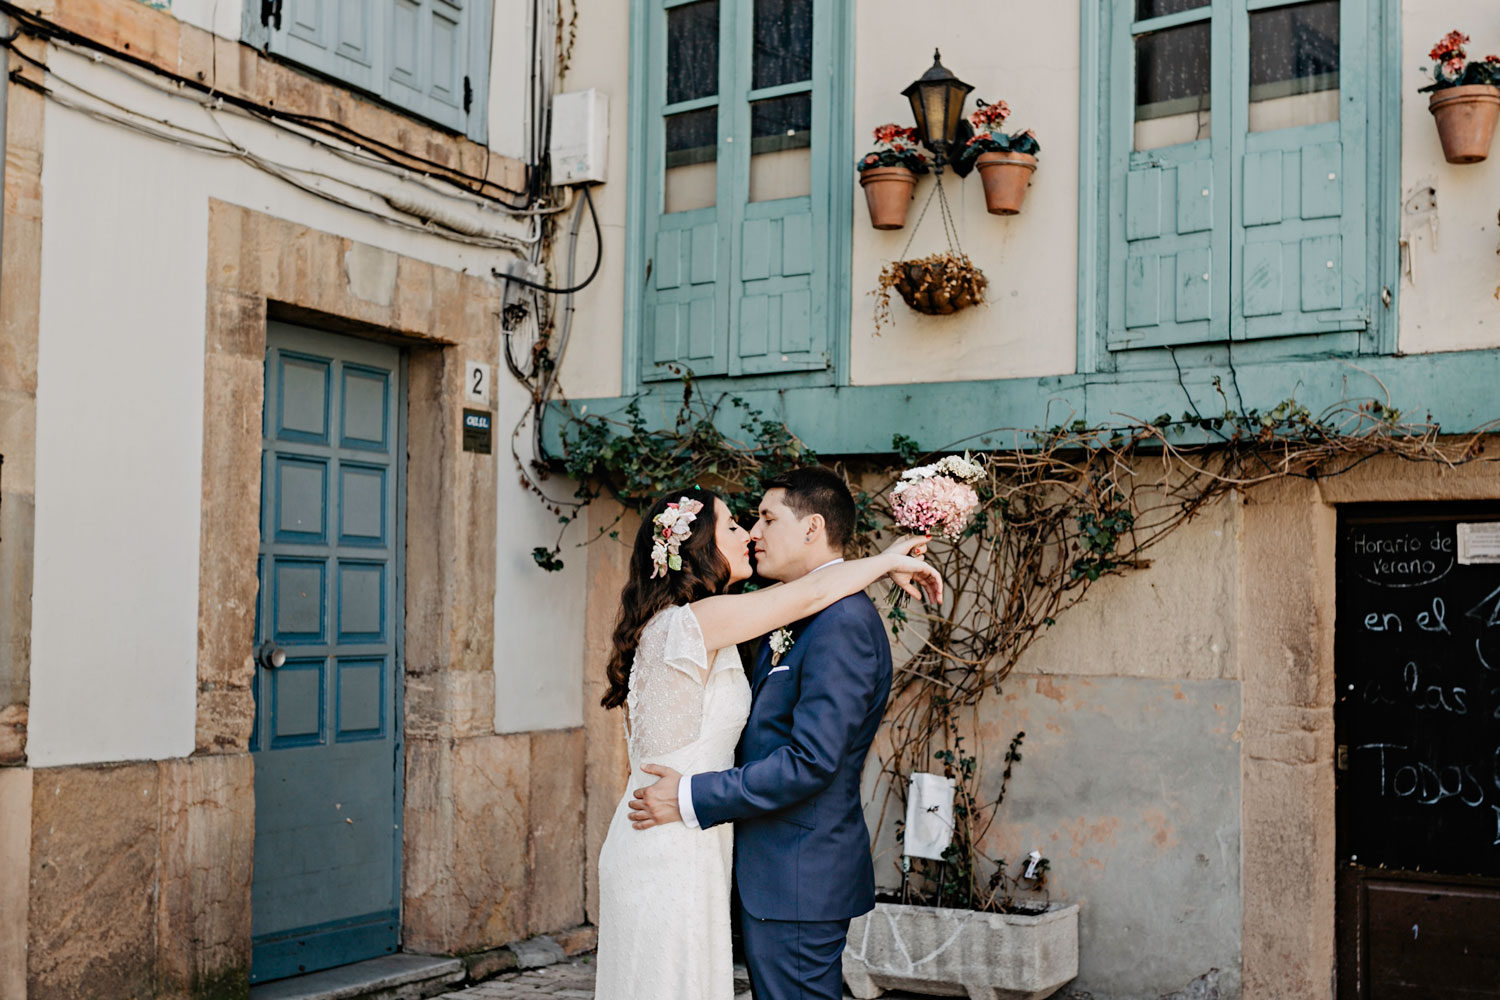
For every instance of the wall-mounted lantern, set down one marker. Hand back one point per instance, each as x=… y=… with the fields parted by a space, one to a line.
x=937 y=103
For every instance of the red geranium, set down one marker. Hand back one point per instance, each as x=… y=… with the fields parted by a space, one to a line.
x=989 y=116
x=894 y=135
x=895 y=146
x=1453 y=68
x=1449 y=46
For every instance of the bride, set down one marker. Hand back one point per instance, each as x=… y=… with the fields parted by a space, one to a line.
x=664 y=892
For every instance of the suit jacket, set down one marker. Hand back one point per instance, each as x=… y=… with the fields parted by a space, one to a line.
x=801 y=846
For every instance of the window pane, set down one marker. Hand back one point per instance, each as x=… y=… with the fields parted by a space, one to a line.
x=1294 y=65
x=781 y=147
x=1158 y=8
x=1172 y=84
x=783 y=42
x=693 y=51
x=692 y=148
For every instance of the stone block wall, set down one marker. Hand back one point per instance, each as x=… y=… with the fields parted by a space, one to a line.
x=139 y=879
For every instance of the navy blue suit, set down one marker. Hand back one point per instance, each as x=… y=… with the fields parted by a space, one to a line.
x=801 y=846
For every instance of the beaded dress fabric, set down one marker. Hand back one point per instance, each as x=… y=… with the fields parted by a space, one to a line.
x=664 y=892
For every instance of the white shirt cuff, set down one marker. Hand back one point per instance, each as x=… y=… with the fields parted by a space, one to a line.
x=685 y=802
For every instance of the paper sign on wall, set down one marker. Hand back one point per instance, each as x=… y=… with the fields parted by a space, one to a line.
x=1478 y=542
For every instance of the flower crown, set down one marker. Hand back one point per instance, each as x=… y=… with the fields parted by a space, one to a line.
x=674 y=526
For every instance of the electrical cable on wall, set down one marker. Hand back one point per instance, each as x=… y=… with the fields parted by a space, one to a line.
x=47 y=30
x=458 y=229
x=588 y=200
x=433 y=212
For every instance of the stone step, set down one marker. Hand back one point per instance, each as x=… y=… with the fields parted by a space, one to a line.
x=389 y=977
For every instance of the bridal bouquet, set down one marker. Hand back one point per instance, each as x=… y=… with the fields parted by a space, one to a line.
x=938 y=498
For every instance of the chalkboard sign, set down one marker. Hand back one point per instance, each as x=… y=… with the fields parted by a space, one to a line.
x=1417 y=653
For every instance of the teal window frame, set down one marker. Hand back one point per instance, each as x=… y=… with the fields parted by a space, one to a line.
x=832 y=179
x=366 y=65
x=1370 y=61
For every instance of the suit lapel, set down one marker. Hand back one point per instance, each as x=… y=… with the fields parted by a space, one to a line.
x=763 y=657
x=762 y=666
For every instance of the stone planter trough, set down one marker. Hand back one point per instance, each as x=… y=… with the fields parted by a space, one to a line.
x=955 y=953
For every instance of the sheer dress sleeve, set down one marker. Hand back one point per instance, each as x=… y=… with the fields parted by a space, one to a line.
x=665 y=697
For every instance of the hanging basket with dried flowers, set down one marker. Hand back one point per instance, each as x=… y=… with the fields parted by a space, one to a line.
x=937 y=285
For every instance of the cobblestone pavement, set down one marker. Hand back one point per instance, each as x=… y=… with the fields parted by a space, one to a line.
x=575 y=978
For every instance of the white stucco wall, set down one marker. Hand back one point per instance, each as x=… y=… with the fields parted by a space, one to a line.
x=119 y=449
x=509 y=60
x=1028 y=325
x=1449 y=286
x=601 y=58
x=539 y=615
x=222 y=17
x=510 y=73
x=119 y=429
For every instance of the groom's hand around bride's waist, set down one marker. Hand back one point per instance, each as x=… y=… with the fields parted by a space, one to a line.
x=656 y=804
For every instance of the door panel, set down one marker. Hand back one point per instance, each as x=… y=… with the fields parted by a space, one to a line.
x=1417 y=769
x=327 y=734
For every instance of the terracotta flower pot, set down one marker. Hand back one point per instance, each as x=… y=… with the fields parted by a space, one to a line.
x=888 y=191
x=1005 y=177
x=1465 y=120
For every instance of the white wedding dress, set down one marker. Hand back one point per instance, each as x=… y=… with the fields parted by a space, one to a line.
x=664 y=892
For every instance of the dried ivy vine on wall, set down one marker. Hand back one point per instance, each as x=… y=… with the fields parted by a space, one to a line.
x=1060 y=509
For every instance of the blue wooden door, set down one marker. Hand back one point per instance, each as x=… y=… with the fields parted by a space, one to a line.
x=327 y=740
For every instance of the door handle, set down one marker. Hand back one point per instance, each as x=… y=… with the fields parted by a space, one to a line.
x=270 y=655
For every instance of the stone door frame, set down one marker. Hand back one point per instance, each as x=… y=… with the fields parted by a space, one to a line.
x=260 y=268
x=1286 y=656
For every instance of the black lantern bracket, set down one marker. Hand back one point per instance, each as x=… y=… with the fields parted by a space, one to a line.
x=937 y=103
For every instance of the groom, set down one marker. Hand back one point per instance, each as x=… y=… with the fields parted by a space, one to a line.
x=801 y=847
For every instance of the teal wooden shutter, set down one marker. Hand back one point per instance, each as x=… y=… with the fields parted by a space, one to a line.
x=686 y=321
x=738 y=287
x=432 y=71
x=1242 y=234
x=784 y=68
x=1169 y=247
x=1299 y=233
x=341 y=40
x=429 y=57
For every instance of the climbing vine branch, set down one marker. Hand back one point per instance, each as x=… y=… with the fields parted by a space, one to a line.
x=1060 y=509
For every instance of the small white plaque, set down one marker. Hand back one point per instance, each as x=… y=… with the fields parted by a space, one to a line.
x=1479 y=542
x=477 y=383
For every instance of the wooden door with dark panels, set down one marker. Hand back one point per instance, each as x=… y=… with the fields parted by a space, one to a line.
x=1417 y=722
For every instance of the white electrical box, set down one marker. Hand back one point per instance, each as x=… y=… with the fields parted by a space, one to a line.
x=580 y=137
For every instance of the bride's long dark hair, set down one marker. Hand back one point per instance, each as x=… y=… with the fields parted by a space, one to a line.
x=704 y=573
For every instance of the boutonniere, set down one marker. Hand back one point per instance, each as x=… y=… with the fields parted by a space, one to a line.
x=781 y=643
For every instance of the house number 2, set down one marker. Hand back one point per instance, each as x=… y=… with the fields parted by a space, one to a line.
x=477 y=383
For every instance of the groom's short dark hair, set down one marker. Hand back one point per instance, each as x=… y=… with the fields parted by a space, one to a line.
x=816 y=490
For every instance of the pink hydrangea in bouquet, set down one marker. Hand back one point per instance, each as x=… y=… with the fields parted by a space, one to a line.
x=938 y=499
